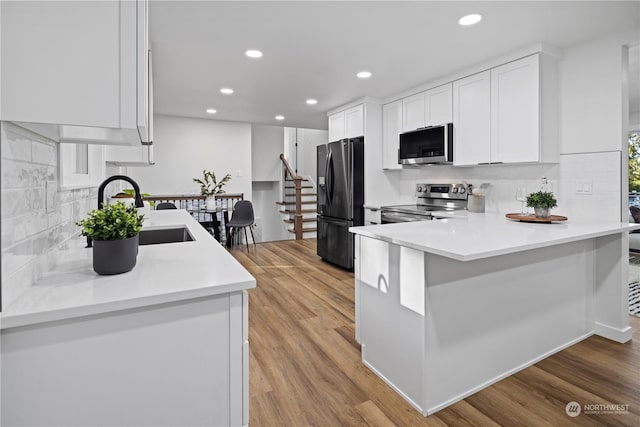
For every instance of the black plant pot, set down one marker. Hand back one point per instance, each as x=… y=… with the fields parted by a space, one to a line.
x=115 y=256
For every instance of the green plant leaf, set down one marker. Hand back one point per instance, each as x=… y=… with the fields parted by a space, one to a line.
x=113 y=222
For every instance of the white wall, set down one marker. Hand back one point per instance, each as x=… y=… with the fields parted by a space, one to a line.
x=269 y=223
x=591 y=100
x=267 y=143
x=634 y=119
x=185 y=146
x=308 y=140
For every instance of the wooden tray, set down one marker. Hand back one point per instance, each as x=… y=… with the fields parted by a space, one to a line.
x=534 y=218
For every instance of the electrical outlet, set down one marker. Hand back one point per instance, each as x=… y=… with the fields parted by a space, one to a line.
x=584 y=186
x=239 y=173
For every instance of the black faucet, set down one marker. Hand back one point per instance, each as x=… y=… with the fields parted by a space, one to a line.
x=138 y=197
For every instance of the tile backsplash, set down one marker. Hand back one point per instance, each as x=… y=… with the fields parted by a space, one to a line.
x=38 y=219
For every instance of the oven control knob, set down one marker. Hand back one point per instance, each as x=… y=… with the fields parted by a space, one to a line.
x=462 y=190
x=454 y=190
x=419 y=189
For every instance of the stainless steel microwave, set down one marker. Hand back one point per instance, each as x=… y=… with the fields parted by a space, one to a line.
x=433 y=144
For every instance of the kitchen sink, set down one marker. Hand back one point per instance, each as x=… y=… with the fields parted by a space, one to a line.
x=167 y=235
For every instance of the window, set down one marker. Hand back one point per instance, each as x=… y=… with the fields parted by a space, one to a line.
x=80 y=165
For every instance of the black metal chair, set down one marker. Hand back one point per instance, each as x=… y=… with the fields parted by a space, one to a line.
x=242 y=218
x=165 y=205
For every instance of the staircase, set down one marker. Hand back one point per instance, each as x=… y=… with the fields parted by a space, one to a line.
x=299 y=205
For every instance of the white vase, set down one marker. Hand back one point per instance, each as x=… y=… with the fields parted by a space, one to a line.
x=211 y=203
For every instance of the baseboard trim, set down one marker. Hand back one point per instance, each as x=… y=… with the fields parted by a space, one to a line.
x=614 y=334
x=433 y=409
x=506 y=374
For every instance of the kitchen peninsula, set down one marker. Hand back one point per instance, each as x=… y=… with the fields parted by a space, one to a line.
x=164 y=344
x=445 y=308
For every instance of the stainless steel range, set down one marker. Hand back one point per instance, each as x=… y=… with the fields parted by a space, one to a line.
x=430 y=198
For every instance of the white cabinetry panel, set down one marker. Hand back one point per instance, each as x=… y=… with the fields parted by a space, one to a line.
x=391 y=129
x=354 y=121
x=439 y=105
x=347 y=124
x=413 y=113
x=472 y=119
x=80 y=70
x=515 y=111
x=507 y=115
x=336 y=126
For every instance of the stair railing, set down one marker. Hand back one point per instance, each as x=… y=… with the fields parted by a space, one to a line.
x=290 y=199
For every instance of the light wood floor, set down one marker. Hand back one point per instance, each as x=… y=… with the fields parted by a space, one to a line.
x=305 y=367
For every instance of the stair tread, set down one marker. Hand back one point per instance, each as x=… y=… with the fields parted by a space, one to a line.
x=294 y=211
x=302 y=186
x=304 y=230
x=302 y=194
x=289 y=179
x=304 y=202
x=292 y=221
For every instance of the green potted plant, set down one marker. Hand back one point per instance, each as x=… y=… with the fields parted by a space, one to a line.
x=210 y=186
x=114 y=231
x=542 y=202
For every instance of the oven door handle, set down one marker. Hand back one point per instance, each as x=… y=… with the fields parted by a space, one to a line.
x=390 y=217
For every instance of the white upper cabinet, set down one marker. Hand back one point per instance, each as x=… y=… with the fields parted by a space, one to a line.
x=439 y=105
x=413 y=112
x=347 y=124
x=354 y=121
x=129 y=156
x=515 y=106
x=81 y=69
x=508 y=114
x=391 y=129
x=336 y=127
x=429 y=108
x=472 y=119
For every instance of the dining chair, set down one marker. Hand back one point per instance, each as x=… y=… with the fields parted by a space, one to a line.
x=241 y=218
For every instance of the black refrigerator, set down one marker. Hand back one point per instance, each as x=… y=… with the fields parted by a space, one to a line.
x=340 y=181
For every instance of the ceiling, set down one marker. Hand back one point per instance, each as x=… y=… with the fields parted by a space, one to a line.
x=314 y=49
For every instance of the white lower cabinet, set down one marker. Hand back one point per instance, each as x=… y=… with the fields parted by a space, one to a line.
x=183 y=363
x=371 y=215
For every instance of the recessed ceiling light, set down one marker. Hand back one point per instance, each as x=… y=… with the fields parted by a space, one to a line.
x=471 y=19
x=312 y=101
x=279 y=117
x=226 y=90
x=253 y=53
x=364 y=74
x=211 y=110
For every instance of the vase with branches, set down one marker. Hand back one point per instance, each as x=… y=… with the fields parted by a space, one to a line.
x=210 y=186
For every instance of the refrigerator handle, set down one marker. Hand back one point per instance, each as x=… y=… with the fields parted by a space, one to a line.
x=330 y=182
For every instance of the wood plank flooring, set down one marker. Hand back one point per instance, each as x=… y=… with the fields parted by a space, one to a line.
x=305 y=367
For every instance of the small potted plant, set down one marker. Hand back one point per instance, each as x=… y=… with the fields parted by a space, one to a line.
x=209 y=187
x=541 y=202
x=114 y=231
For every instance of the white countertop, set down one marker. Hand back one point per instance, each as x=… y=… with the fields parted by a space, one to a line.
x=469 y=236
x=164 y=273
